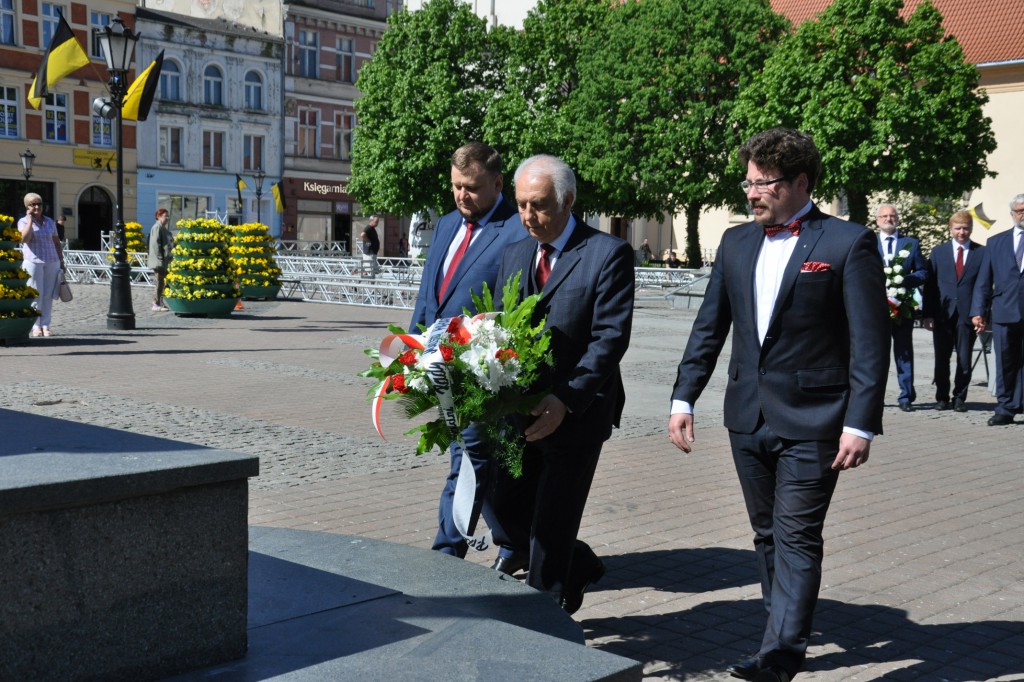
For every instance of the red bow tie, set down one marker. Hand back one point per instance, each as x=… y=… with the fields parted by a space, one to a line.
x=772 y=230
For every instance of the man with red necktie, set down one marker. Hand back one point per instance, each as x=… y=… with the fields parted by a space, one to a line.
x=464 y=255
x=953 y=270
x=805 y=307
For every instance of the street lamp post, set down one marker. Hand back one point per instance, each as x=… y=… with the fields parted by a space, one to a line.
x=259 y=177
x=27 y=157
x=118 y=47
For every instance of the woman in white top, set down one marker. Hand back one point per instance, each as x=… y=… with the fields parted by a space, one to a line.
x=44 y=259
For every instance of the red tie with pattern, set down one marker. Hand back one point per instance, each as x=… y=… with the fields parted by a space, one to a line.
x=772 y=230
x=544 y=265
x=456 y=259
x=959 y=262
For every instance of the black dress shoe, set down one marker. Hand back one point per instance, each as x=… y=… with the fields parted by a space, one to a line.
x=906 y=407
x=958 y=406
x=510 y=565
x=772 y=674
x=572 y=593
x=1000 y=420
x=941 y=405
x=745 y=669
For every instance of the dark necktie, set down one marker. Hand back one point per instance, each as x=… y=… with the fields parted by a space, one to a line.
x=456 y=259
x=1019 y=253
x=959 y=262
x=772 y=230
x=888 y=244
x=544 y=265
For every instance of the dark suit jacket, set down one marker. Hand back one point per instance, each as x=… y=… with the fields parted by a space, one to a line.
x=825 y=358
x=479 y=264
x=915 y=267
x=946 y=297
x=588 y=303
x=999 y=288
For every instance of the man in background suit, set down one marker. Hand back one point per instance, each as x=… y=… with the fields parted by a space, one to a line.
x=464 y=254
x=804 y=296
x=915 y=274
x=953 y=269
x=999 y=296
x=585 y=279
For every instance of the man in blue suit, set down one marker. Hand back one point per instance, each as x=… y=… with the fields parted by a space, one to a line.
x=999 y=296
x=802 y=295
x=586 y=282
x=953 y=269
x=915 y=274
x=464 y=254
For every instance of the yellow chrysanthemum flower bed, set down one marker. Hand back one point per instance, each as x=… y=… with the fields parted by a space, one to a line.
x=16 y=293
x=253 y=254
x=15 y=314
x=201 y=268
x=8 y=230
x=11 y=255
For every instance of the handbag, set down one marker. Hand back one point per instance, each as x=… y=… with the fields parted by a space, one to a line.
x=64 y=290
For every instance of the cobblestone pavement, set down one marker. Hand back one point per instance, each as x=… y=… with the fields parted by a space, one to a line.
x=923 y=576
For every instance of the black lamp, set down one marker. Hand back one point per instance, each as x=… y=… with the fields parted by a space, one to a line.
x=259 y=176
x=27 y=157
x=118 y=46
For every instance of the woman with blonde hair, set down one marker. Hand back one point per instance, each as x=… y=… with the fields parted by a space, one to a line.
x=44 y=259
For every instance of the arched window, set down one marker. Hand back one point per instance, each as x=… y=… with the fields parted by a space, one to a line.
x=170 y=81
x=213 y=86
x=253 y=91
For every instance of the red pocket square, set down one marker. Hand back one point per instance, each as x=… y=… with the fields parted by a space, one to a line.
x=815 y=266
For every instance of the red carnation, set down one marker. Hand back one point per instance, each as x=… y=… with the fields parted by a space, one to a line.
x=454 y=325
x=506 y=354
x=408 y=358
x=398 y=383
x=447 y=353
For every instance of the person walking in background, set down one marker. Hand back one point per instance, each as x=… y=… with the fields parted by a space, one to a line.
x=43 y=259
x=953 y=269
x=464 y=255
x=161 y=245
x=803 y=294
x=61 y=232
x=646 y=254
x=585 y=280
x=371 y=244
x=999 y=300
x=915 y=274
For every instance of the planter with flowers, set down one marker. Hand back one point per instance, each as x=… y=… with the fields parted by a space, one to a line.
x=135 y=245
x=200 y=281
x=253 y=258
x=16 y=312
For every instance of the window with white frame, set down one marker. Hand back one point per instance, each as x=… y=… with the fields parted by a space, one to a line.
x=56 y=116
x=213 y=149
x=253 y=91
x=343 y=127
x=9 y=112
x=213 y=86
x=49 y=14
x=309 y=130
x=346 y=60
x=98 y=21
x=102 y=131
x=8 y=20
x=170 y=145
x=252 y=154
x=309 y=54
x=170 y=81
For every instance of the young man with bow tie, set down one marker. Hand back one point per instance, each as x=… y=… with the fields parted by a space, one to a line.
x=804 y=296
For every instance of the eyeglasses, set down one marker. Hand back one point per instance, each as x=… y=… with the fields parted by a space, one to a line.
x=1017 y=211
x=32 y=205
x=761 y=185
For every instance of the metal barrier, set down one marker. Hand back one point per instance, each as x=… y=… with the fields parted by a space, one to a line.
x=350 y=280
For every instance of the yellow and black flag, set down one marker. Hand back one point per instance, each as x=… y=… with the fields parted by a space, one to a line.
x=63 y=56
x=139 y=97
x=978 y=212
x=278 y=197
x=240 y=184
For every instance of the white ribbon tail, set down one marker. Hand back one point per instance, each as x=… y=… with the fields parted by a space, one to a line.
x=462 y=504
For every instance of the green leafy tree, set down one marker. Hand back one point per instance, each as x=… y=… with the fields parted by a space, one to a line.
x=540 y=75
x=425 y=93
x=650 y=118
x=891 y=102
